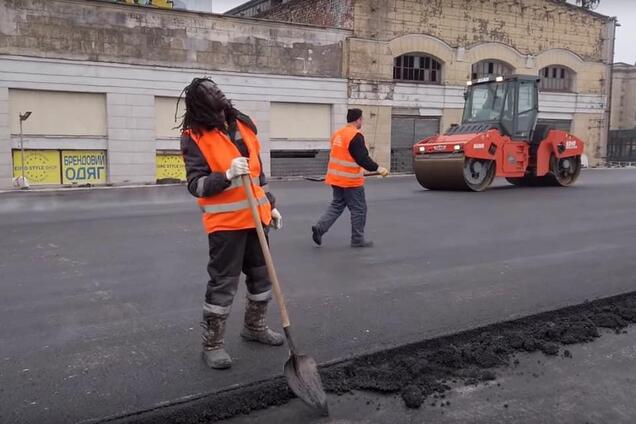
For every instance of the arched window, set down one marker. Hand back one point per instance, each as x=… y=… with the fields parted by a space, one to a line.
x=490 y=67
x=417 y=67
x=556 y=78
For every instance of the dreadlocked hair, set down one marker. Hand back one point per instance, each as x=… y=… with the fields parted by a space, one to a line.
x=202 y=112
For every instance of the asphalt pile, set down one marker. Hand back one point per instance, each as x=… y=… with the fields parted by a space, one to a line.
x=421 y=370
x=425 y=369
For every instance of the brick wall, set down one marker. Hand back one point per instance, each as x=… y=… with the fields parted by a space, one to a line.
x=328 y=13
x=105 y=32
x=530 y=26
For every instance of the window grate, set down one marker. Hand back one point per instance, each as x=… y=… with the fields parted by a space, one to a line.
x=416 y=67
x=487 y=68
x=556 y=78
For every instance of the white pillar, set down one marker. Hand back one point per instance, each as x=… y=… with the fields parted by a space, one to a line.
x=6 y=171
x=131 y=138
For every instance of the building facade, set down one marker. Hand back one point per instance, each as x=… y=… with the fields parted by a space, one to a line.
x=624 y=97
x=102 y=81
x=101 y=78
x=407 y=62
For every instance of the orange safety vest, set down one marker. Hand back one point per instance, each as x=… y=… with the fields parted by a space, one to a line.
x=229 y=210
x=343 y=171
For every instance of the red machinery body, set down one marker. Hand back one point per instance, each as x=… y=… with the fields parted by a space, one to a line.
x=471 y=160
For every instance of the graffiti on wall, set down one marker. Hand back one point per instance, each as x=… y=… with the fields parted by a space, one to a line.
x=166 y=4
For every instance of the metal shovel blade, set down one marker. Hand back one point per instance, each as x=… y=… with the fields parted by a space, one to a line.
x=303 y=379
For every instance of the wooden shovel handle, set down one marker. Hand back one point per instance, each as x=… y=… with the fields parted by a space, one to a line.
x=278 y=293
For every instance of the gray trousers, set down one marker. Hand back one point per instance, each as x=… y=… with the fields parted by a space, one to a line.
x=230 y=253
x=352 y=198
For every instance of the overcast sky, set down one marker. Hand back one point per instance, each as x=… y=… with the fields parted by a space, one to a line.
x=625 y=10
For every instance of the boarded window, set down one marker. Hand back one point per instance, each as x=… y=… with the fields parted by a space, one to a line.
x=56 y=113
x=417 y=67
x=170 y=167
x=165 y=116
x=556 y=78
x=490 y=67
x=300 y=121
x=43 y=167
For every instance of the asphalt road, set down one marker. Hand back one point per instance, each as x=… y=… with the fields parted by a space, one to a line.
x=102 y=289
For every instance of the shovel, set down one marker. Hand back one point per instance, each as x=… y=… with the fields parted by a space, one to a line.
x=322 y=178
x=300 y=371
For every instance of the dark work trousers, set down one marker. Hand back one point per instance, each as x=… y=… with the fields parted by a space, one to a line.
x=230 y=253
x=352 y=198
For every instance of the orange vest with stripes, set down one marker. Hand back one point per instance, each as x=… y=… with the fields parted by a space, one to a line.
x=343 y=171
x=229 y=210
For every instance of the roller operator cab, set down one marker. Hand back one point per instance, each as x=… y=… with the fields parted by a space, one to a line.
x=498 y=137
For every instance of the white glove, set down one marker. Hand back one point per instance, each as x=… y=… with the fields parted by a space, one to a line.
x=383 y=171
x=277 y=219
x=238 y=167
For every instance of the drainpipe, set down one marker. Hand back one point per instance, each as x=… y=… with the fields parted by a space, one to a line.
x=611 y=29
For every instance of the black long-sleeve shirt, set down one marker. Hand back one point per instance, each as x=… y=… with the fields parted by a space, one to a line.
x=205 y=182
x=359 y=153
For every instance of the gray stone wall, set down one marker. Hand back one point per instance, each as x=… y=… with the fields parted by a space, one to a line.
x=104 y=32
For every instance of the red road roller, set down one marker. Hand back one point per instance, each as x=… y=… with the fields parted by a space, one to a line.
x=498 y=137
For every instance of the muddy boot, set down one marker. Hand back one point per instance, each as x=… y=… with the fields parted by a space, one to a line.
x=316 y=236
x=214 y=354
x=255 y=329
x=363 y=243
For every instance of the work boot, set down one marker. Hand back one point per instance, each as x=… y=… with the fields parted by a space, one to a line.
x=316 y=236
x=363 y=243
x=214 y=354
x=255 y=329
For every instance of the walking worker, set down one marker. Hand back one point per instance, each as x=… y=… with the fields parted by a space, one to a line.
x=347 y=159
x=219 y=144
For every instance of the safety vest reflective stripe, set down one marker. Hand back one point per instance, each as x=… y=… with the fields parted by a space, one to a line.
x=353 y=176
x=232 y=207
x=341 y=162
x=238 y=182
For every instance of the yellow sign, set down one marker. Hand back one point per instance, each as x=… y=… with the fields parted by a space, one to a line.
x=84 y=166
x=170 y=166
x=40 y=166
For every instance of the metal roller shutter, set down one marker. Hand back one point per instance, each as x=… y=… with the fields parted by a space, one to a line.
x=405 y=132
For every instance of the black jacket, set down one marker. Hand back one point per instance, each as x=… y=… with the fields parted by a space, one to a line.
x=206 y=182
x=359 y=153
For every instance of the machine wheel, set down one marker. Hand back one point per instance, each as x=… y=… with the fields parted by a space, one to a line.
x=565 y=171
x=478 y=173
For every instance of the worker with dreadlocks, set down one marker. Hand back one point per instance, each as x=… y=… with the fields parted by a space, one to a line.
x=219 y=145
x=347 y=159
